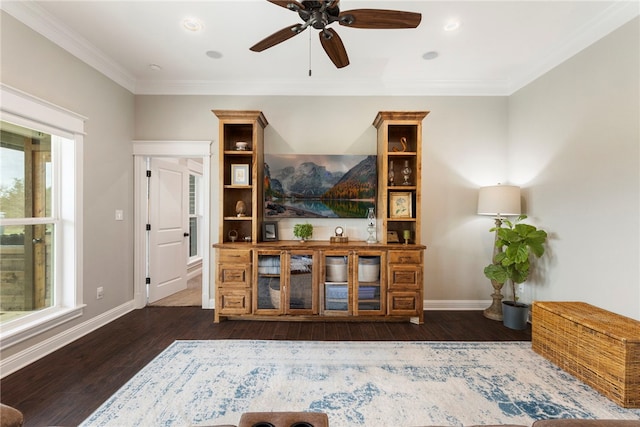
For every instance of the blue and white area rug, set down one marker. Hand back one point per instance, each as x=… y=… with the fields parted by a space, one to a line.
x=382 y=384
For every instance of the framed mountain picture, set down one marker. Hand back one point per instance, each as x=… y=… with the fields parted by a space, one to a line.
x=319 y=186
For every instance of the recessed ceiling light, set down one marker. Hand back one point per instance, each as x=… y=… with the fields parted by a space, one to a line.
x=192 y=24
x=214 y=54
x=452 y=25
x=155 y=67
x=430 y=55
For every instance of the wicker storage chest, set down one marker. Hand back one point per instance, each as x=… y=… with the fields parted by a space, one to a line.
x=596 y=346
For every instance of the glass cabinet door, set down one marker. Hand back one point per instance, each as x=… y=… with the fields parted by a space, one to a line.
x=369 y=298
x=335 y=283
x=301 y=287
x=285 y=283
x=268 y=283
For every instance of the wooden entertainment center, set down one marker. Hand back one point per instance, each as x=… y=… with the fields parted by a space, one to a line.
x=320 y=280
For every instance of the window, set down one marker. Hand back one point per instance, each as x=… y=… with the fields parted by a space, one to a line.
x=195 y=216
x=40 y=216
x=27 y=240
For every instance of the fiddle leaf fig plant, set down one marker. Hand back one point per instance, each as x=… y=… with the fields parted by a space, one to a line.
x=517 y=242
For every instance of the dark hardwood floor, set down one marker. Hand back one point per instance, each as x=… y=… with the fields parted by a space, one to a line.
x=65 y=387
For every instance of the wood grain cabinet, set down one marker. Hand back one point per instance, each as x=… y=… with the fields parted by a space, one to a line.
x=399 y=175
x=280 y=280
x=323 y=280
x=233 y=284
x=241 y=173
x=404 y=297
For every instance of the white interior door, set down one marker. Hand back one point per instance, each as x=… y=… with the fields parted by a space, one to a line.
x=168 y=238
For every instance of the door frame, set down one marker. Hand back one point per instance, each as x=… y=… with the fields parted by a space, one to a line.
x=175 y=149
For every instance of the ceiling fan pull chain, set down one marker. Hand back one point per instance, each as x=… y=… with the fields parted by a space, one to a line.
x=309 y=54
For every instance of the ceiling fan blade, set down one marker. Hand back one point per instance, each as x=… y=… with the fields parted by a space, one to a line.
x=286 y=3
x=379 y=18
x=277 y=37
x=332 y=44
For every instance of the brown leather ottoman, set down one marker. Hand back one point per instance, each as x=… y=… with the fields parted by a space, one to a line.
x=284 y=419
x=10 y=417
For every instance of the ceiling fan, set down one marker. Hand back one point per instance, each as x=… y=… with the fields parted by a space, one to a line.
x=320 y=13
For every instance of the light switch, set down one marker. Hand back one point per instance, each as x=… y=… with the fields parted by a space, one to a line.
x=119 y=215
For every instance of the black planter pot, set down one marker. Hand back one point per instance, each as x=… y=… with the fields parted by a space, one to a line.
x=515 y=315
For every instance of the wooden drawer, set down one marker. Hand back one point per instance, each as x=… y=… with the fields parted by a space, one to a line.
x=405 y=276
x=403 y=303
x=405 y=257
x=234 y=301
x=234 y=275
x=234 y=256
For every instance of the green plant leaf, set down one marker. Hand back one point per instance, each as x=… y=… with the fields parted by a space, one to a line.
x=536 y=248
x=510 y=236
x=495 y=272
x=499 y=257
x=524 y=230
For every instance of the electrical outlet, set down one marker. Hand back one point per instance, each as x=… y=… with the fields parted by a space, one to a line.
x=100 y=293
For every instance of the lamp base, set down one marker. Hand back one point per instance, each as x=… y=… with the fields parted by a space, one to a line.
x=494 y=311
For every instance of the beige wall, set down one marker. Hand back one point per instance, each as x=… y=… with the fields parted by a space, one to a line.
x=465 y=140
x=575 y=146
x=36 y=66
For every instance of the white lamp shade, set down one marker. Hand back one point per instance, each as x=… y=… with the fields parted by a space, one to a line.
x=499 y=200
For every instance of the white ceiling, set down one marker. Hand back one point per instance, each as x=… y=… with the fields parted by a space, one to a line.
x=499 y=47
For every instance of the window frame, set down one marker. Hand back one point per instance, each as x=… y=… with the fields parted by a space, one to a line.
x=195 y=170
x=28 y=111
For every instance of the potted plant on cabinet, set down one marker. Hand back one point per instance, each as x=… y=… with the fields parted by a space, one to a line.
x=303 y=231
x=516 y=243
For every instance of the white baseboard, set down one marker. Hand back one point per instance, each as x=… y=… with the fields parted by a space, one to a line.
x=194 y=270
x=20 y=360
x=456 y=304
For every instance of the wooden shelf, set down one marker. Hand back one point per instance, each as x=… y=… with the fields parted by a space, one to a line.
x=238 y=187
x=235 y=126
x=401 y=153
x=399 y=130
x=247 y=153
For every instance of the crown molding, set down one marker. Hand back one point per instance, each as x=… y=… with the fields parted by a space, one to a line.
x=42 y=22
x=324 y=87
x=608 y=21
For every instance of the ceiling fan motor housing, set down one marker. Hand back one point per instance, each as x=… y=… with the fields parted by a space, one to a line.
x=317 y=14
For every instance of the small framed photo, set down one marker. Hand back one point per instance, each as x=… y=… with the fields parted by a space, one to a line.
x=269 y=231
x=239 y=174
x=400 y=205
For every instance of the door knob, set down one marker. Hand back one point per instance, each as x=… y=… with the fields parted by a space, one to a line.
x=186 y=234
x=36 y=240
